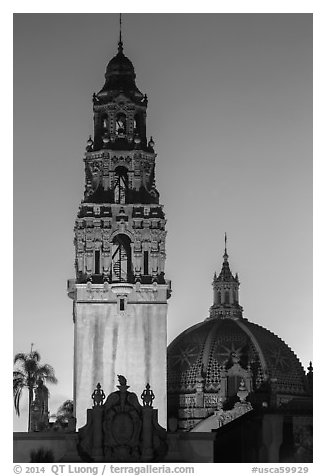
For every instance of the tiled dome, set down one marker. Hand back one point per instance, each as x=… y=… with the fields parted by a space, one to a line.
x=207 y=348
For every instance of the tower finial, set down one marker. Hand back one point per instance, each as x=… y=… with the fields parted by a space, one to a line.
x=120 y=44
x=225 y=256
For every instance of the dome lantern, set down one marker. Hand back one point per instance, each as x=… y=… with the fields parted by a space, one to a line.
x=226 y=292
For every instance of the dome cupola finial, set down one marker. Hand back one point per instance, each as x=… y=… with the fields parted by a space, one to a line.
x=120 y=44
x=119 y=77
x=225 y=256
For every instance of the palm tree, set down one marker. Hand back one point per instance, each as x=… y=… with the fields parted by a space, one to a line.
x=26 y=374
x=64 y=414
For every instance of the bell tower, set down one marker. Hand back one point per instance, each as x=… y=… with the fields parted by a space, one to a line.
x=120 y=292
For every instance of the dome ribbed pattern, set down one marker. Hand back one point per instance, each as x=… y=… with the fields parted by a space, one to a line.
x=207 y=347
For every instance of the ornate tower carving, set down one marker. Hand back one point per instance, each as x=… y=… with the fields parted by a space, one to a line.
x=226 y=292
x=120 y=292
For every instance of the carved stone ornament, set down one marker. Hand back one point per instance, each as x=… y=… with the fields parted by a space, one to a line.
x=98 y=396
x=122 y=430
x=242 y=392
x=147 y=396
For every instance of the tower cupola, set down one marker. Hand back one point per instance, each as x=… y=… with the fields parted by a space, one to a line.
x=120 y=75
x=226 y=292
x=120 y=108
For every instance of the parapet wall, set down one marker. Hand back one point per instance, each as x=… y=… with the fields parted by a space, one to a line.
x=183 y=447
x=62 y=445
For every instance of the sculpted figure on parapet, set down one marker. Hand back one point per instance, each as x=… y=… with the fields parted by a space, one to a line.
x=147 y=396
x=98 y=396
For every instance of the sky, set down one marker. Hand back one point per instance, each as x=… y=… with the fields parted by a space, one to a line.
x=230 y=111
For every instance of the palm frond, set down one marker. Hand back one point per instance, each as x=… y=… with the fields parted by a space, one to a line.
x=66 y=408
x=17 y=395
x=17 y=374
x=47 y=372
x=51 y=379
x=19 y=382
x=20 y=357
x=67 y=405
x=46 y=369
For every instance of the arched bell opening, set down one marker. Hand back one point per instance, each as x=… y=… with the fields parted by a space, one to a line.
x=121 y=266
x=121 y=125
x=105 y=122
x=235 y=298
x=138 y=125
x=219 y=298
x=120 y=185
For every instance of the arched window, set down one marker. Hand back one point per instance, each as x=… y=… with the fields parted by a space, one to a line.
x=120 y=185
x=219 y=297
x=120 y=124
x=227 y=297
x=145 y=262
x=105 y=122
x=235 y=297
x=97 y=262
x=137 y=120
x=121 y=259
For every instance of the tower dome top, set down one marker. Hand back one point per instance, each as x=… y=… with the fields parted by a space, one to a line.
x=120 y=65
x=120 y=75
